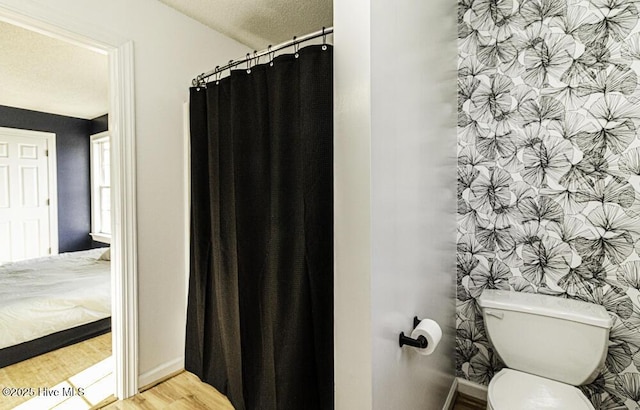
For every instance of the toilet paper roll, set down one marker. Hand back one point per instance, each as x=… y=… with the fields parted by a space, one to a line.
x=431 y=331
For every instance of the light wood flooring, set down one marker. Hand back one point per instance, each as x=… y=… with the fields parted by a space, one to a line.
x=186 y=392
x=53 y=368
x=182 y=392
x=464 y=402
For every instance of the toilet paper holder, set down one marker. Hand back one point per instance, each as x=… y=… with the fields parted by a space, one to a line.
x=420 y=342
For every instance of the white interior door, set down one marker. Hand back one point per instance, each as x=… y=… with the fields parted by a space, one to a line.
x=28 y=223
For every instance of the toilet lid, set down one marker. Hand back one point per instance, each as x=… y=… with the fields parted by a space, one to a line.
x=514 y=390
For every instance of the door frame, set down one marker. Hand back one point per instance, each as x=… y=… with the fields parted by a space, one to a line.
x=63 y=26
x=52 y=177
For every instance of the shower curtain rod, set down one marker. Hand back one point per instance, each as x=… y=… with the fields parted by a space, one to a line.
x=200 y=79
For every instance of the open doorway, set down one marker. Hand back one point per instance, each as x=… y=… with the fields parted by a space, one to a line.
x=122 y=202
x=55 y=275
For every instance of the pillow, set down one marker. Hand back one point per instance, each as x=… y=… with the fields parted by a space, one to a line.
x=106 y=256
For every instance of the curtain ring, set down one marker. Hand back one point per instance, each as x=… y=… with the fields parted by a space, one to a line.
x=324 y=39
x=199 y=82
x=217 y=72
x=248 y=59
x=296 y=47
x=256 y=57
x=271 y=55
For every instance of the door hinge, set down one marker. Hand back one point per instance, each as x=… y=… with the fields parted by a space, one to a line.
x=49 y=251
x=48 y=202
x=46 y=152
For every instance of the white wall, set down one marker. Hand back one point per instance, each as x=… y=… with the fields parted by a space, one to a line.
x=404 y=83
x=413 y=66
x=169 y=50
x=352 y=207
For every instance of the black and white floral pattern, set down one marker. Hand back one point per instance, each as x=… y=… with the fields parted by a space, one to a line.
x=549 y=170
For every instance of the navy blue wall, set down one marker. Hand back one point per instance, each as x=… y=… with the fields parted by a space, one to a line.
x=74 y=185
x=99 y=124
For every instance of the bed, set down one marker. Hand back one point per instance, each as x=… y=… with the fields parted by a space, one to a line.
x=51 y=302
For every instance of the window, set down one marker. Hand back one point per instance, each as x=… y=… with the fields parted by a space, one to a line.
x=100 y=188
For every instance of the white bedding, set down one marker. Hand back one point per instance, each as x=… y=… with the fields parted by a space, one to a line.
x=42 y=296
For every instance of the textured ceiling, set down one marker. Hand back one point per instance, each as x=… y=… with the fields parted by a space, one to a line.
x=44 y=74
x=258 y=23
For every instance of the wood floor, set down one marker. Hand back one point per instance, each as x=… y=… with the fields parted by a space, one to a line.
x=62 y=367
x=65 y=366
x=182 y=392
x=186 y=392
x=464 y=402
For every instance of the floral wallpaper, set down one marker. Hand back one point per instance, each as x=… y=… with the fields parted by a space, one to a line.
x=549 y=170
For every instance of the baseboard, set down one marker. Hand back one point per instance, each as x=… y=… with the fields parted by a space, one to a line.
x=160 y=373
x=451 y=397
x=469 y=388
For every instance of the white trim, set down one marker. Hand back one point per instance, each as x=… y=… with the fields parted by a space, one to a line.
x=96 y=206
x=100 y=237
x=451 y=397
x=54 y=22
x=53 y=194
x=123 y=200
x=469 y=388
x=159 y=372
x=99 y=135
x=52 y=171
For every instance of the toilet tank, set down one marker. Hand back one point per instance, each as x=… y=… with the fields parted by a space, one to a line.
x=560 y=339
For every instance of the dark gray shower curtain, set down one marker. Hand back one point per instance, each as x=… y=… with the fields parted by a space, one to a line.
x=260 y=309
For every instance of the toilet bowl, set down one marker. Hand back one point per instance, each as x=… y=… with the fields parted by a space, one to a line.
x=549 y=344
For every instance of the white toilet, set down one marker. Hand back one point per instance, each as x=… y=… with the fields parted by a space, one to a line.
x=549 y=344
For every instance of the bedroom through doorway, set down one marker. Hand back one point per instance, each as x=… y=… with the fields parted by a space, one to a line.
x=55 y=222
